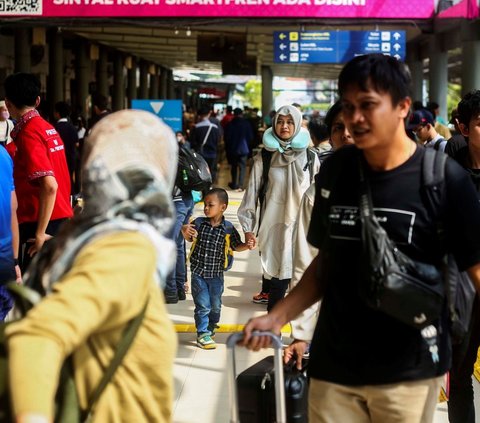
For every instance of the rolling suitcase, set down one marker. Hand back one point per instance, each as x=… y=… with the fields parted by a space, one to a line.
x=256 y=396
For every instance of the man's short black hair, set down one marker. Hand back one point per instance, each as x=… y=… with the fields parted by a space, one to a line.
x=469 y=107
x=318 y=129
x=378 y=72
x=332 y=114
x=100 y=101
x=220 y=193
x=63 y=109
x=204 y=110
x=22 y=89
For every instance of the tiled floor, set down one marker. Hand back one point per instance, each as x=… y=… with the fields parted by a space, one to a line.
x=201 y=390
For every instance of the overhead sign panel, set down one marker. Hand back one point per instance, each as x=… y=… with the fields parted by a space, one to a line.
x=335 y=46
x=170 y=111
x=337 y=9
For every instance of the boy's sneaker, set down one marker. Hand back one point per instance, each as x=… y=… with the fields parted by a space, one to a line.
x=206 y=342
x=260 y=298
x=212 y=329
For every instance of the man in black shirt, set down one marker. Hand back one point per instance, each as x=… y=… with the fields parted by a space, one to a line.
x=366 y=366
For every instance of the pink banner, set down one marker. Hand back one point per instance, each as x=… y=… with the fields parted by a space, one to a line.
x=374 y=9
x=465 y=9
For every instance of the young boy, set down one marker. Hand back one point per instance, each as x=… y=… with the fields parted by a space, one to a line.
x=207 y=263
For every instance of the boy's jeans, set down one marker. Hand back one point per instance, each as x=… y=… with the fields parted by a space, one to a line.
x=207 y=296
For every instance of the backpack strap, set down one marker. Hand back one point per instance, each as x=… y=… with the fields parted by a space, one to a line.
x=197 y=222
x=262 y=191
x=228 y=244
x=437 y=144
x=123 y=346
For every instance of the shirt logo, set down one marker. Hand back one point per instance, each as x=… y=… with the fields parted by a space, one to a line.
x=325 y=193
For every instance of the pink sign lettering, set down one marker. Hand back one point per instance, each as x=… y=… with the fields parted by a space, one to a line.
x=383 y=9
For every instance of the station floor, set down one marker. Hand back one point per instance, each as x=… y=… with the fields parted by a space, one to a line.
x=201 y=384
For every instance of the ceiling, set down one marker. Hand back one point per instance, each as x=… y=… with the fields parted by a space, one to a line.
x=173 y=43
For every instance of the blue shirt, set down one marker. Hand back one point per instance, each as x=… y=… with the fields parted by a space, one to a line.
x=6 y=188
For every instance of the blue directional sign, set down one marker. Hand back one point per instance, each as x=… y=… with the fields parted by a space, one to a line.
x=170 y=111
x=335 y=46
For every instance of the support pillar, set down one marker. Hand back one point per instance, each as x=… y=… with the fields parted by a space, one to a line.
x=22 y=50
x=55 y=74
x=415 y=65
x=82 y=76
x=154 y=84
x=470 y=58
x=163 y=84
x=102 y=72
x=438 y=75
x=132 y=81
x=170 y=85
x=267 y=90
x=118 y=92
x=143 y=88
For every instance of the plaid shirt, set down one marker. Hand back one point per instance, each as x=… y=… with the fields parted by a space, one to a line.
x=208 y=256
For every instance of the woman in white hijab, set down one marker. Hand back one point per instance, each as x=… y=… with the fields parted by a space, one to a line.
x=271 y=205
x=104 y=269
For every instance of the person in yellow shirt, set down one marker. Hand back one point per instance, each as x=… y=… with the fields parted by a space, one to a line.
x=95 y=287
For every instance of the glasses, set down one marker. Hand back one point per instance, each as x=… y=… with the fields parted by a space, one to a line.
x=418 y=129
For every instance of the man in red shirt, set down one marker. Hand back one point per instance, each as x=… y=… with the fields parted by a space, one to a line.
x=40 y=168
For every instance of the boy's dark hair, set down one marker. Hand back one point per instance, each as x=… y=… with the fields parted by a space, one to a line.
x=332 y=114
x=63 y=109
x=469 y=107
x=220 y=193
x=318 y=129
x=100 y=101
x=22 y=89
x=379 y=72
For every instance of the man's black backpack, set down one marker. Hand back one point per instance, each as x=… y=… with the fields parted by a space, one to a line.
x=459 y=290
x=193 y=173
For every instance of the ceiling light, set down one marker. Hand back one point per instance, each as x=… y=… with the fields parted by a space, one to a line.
x=175 y=31
x=188 y=33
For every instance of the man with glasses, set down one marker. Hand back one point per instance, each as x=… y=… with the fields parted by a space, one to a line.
x=422 y=124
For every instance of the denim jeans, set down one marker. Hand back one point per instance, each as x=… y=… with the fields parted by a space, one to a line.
x=178 y=276
x=207 y=297
x=239 y=164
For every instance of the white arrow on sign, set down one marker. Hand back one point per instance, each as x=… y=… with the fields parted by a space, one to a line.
x=157 y=106
x=283 y=46
x=283 y=57
x=397 y=56
x=396 y=46
x=396 y=36
x=282 y=36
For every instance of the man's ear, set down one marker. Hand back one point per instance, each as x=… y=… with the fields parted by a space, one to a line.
x=463 y=129
x=404 y=107
x=37 y=102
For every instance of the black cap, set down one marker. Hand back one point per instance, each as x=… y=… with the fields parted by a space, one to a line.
x=420 y=117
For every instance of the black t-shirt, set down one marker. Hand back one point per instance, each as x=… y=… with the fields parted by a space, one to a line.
x=354 y=344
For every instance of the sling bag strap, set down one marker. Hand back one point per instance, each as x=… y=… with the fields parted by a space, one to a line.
x=206 y=136
x=123 y=346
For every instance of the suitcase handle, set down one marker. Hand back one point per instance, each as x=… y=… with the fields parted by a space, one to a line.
x=280 y=403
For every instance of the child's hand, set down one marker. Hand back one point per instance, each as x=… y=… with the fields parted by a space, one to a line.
x=189 y=232
x=251 y=244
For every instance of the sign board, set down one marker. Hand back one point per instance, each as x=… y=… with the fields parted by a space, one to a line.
x=170 y=111
x=336 y=9
x=335 y=46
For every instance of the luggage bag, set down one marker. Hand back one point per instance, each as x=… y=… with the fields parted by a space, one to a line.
x=255 y=393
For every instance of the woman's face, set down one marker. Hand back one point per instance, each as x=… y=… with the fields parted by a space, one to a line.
x=285 y=127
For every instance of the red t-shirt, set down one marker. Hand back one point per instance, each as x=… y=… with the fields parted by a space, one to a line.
x=40 y=152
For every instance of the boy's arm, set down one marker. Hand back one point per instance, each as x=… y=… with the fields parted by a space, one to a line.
x=189 y=232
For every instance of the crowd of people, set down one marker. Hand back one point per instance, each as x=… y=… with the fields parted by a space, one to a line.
x=114 y=261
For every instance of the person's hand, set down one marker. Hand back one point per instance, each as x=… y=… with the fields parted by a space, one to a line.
x=189 y=231
x=18 y=275
x=295 y=351
x=262 y=323
x=250 y=240
x=38 y=242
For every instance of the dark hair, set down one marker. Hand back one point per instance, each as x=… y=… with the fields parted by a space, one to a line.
x=22 y=89
x=417 y=105
x=229 y=109
x=220 y=193
x=332 y=114
x=379 y=72
x=204 y=110
x=469 y=107
x=432 y=106
x=318 y=129
x=63 y=109
x=100 y=101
